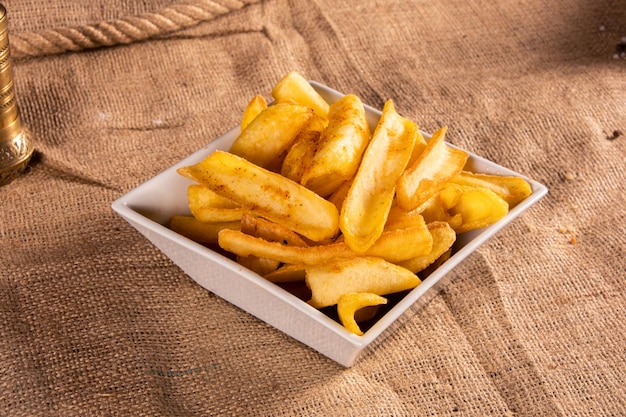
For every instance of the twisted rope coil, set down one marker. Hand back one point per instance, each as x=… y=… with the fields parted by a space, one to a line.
x=126 y=30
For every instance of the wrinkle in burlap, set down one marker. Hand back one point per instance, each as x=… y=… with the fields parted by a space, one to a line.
x=96 y=321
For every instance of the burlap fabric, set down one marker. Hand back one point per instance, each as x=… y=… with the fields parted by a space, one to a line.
x=94 y=321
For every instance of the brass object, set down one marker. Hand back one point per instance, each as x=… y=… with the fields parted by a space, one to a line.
x=16 y=147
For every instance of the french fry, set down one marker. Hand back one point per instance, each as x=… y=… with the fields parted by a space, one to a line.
x=261 y=266
x=252 y=110
x=259 y=227
x=270 y=134
x=449 y=195
x=443 y=238
x=399 y=218
x=339 y=195
x=266 y=194
x=273 y=232
x=200 y=195
x=369 y=199
x=208 y=206
x=294 y=87
x=435 y=210
x=198 y=231
x=328 y=282
x=478 y=208
x=349 y=303
x=393 y=246
x=340 y=148
x=418 y=148
x=512 y=189
x=286 y=273
x=399 y=244
x=435 y=166
x=300 y=155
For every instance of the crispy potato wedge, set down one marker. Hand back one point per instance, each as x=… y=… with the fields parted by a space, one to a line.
x=434 y=210
x=435 y=166
x=261 y=266
x=443 y=238
x=449 y=195
x=198 y=231
x=399 y=218
x=340 y=194
x=399 y=244
x=252 y=110
x=270 y=134
x=259 y=227
x=418 y=148
x=286 y=273
x=512 y=189
x=266 y=194
x=273 y=232
x=328 y=282
x=478 y=208
x=208 y=206
x=244 y=245
x=294 y=87
x=202 y=196
x=349 y=303
x=369 y=199
x=340 y=147
x=300 y=155
x=393 y=246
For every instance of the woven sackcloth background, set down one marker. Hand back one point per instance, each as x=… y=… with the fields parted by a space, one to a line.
x=95 y=321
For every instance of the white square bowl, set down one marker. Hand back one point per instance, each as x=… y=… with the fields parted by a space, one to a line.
x=150 y=206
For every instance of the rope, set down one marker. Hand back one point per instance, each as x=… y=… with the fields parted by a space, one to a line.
x=126 y=30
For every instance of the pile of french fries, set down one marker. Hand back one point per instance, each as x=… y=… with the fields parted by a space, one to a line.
x=307 y=193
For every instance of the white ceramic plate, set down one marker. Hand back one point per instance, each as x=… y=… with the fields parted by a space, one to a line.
x=150 y=206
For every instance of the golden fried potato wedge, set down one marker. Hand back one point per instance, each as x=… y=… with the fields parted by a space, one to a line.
x=270 y=134
x=200 y=195
x=399 y=218
x=418 y=148
x=208 y=206
x=294 y=87
x=286 y=273
x=478 y=208
x=266 y=194
x=340 y=147
x=399 y=244
x=393 y=246
x=349 y=303
x=512 y=189
x=443 y=238
x=274 y=232
x=435 y=166
x=300 y=155
x=449 y=195
x=369 y=199
x=198 y=231
x=435 y=210
x=252 y=110
x=258 y=265
x=328 y=282
x=339 y=195
x=243 y=244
